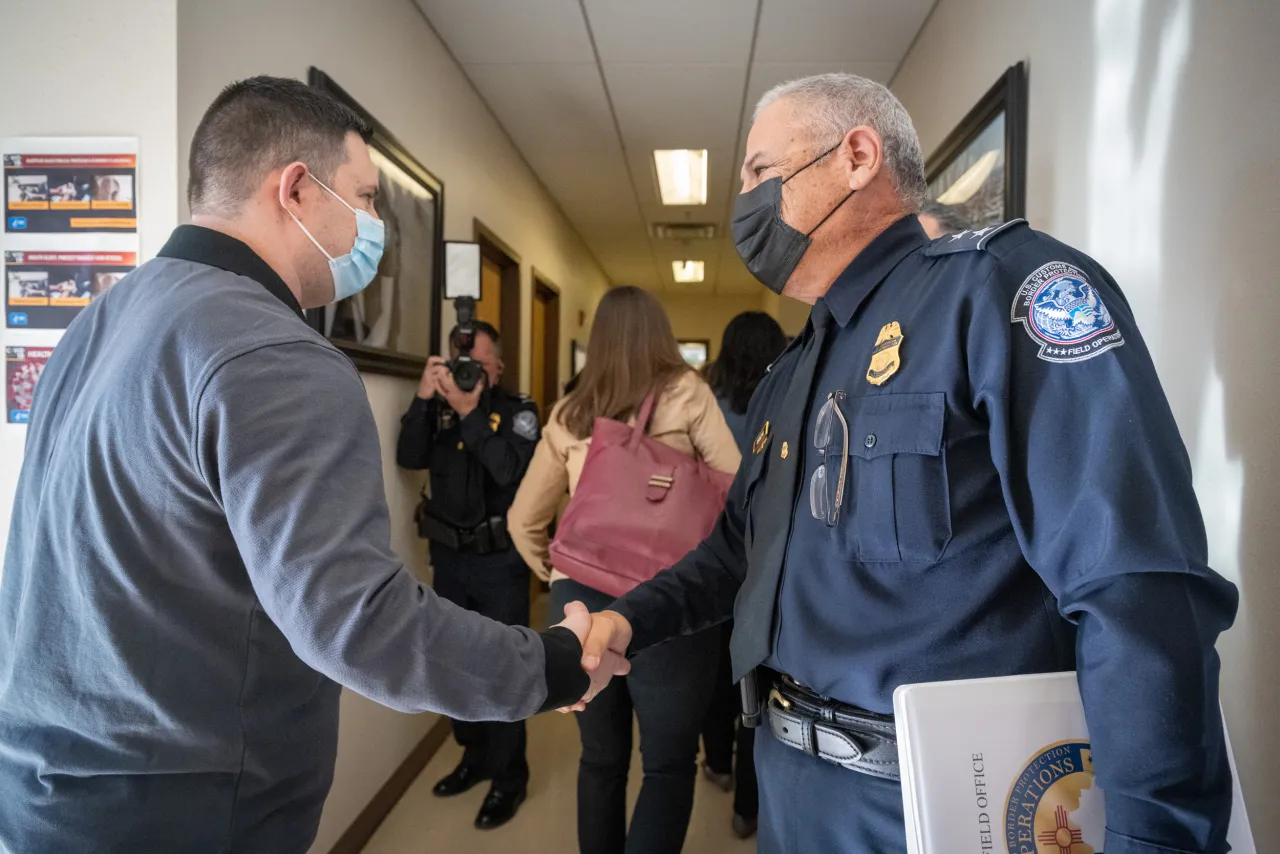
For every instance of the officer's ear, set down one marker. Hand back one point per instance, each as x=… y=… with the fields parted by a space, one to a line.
x=862 y=154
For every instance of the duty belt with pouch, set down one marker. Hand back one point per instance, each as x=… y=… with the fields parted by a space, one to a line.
x=845 y=735
x=486 y=538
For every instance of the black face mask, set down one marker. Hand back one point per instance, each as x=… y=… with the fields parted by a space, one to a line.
x=769 y=247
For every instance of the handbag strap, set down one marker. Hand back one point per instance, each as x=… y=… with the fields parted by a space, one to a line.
x=642 y=420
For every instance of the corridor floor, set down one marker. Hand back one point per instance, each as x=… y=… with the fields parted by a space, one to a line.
x=422 y=824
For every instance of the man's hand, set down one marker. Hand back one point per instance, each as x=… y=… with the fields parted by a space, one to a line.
x=580 y=621
x=461 y=402
x=429 y=385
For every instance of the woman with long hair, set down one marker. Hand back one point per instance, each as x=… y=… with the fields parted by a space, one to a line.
x=632 y=352
x=752 y=341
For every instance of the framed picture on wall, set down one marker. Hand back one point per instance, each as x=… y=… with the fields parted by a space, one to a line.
x=694 y=351
x=577 y=357
x=393 y=325
x=980 y=169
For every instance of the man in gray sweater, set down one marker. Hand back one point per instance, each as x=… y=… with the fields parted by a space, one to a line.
x=200 y=551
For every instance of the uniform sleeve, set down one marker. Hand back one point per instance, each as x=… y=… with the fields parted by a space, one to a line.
x=536 y=504
x=288 y=446
x=710 y=433
x=505 y=452
x=417 y=435
x=1098 y=485
x=699 y=591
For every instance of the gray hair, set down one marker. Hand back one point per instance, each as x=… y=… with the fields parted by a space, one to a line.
x=834 y=104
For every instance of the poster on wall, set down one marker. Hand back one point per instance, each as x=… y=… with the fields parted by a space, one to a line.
x=71 y=185
x=23 y=366
x=46 y=290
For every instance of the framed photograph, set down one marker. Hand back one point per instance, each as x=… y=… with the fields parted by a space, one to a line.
x=392 y=326
x=694 y=351
x=578 y=357
x=981 y=167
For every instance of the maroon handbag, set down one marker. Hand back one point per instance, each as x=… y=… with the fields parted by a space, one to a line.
x=640 y=506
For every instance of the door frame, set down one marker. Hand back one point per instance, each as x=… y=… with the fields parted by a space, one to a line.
x=511 y=324
x=546 y=289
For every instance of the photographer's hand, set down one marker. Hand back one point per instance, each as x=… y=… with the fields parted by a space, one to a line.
x=429 y=385
x=461 y=402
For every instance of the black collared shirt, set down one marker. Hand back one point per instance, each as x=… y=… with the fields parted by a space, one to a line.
x=218 y=249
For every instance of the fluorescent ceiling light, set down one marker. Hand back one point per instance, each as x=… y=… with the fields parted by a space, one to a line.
x=971 y=181
x=688 y=271
x=682 y=176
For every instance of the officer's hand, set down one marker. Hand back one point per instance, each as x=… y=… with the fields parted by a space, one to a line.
x=610 y=636
x=429 y=385
x=461 y=402
x=578 y=620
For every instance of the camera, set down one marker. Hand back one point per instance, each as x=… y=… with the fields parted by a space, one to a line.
x=467 y=372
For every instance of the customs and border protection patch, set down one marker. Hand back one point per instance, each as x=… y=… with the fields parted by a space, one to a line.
x=1063 y=313
x=525 y=425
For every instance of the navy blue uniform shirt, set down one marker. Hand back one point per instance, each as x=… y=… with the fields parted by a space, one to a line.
x=1017 y=500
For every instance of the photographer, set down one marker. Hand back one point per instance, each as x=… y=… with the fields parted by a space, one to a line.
x=476 y=439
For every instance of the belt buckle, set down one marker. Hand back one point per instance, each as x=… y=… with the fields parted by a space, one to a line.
x=775 y=696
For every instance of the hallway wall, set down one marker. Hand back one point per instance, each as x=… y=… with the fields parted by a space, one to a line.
x=387 y=57
x=77 y=94
x=1153 y=129
x=698 y=316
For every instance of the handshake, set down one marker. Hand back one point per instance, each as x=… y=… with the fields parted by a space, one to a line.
x=604 y=638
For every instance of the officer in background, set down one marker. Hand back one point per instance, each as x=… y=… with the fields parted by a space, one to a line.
x=477 y=446
x=964 y=467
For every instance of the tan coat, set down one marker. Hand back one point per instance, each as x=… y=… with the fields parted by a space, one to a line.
x=687 y=418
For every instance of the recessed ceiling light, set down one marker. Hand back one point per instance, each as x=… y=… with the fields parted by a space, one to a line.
x=682 y=175
x=688 y=271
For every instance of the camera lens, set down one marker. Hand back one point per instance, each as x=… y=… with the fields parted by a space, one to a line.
x=466 y=374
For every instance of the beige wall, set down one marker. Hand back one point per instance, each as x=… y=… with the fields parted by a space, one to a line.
x=385 y=55
x=706 y=316
x=52 y=92
x=1153 y=137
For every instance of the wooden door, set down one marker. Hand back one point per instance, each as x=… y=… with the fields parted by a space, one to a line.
x=544 y=386
x=489 y=308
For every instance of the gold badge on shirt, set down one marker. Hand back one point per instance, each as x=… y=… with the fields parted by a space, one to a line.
x=495 y=421
x=886 y=358
x=762 y=438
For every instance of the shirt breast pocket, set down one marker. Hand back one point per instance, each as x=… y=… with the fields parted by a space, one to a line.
x=902 y=503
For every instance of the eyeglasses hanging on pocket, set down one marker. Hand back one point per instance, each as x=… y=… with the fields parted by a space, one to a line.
x=831 y=439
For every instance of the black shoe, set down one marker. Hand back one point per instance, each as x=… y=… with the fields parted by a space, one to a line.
x=463 y=779
x=744 y=828
x=498 y=809
x=723 y=782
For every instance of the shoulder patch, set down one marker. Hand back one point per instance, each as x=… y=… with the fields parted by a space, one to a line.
x=525 y=424
x=968 y=241
x=1063 y=313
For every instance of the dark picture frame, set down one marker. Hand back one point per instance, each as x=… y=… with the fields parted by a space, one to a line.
x=1005 y=102
x=339 y=320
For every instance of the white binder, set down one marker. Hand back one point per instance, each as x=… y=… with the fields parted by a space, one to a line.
x=1003 y=766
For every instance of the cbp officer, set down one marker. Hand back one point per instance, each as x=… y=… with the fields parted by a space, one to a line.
x=964 y=467
x=476 y=445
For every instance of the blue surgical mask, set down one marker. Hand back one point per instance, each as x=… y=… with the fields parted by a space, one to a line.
x=352 y=272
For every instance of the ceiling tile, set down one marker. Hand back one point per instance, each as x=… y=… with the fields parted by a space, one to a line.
x=839 y=30
x=672 y=31
x=511 y=30
x=555 y=105
x=677 y=106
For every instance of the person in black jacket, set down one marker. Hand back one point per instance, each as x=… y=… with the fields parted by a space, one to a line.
x=476 y=446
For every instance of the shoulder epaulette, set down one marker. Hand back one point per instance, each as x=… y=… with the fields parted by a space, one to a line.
x=968 y=241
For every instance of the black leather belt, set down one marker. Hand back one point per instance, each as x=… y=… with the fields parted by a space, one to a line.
x=486 y=538
x=845 y=735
